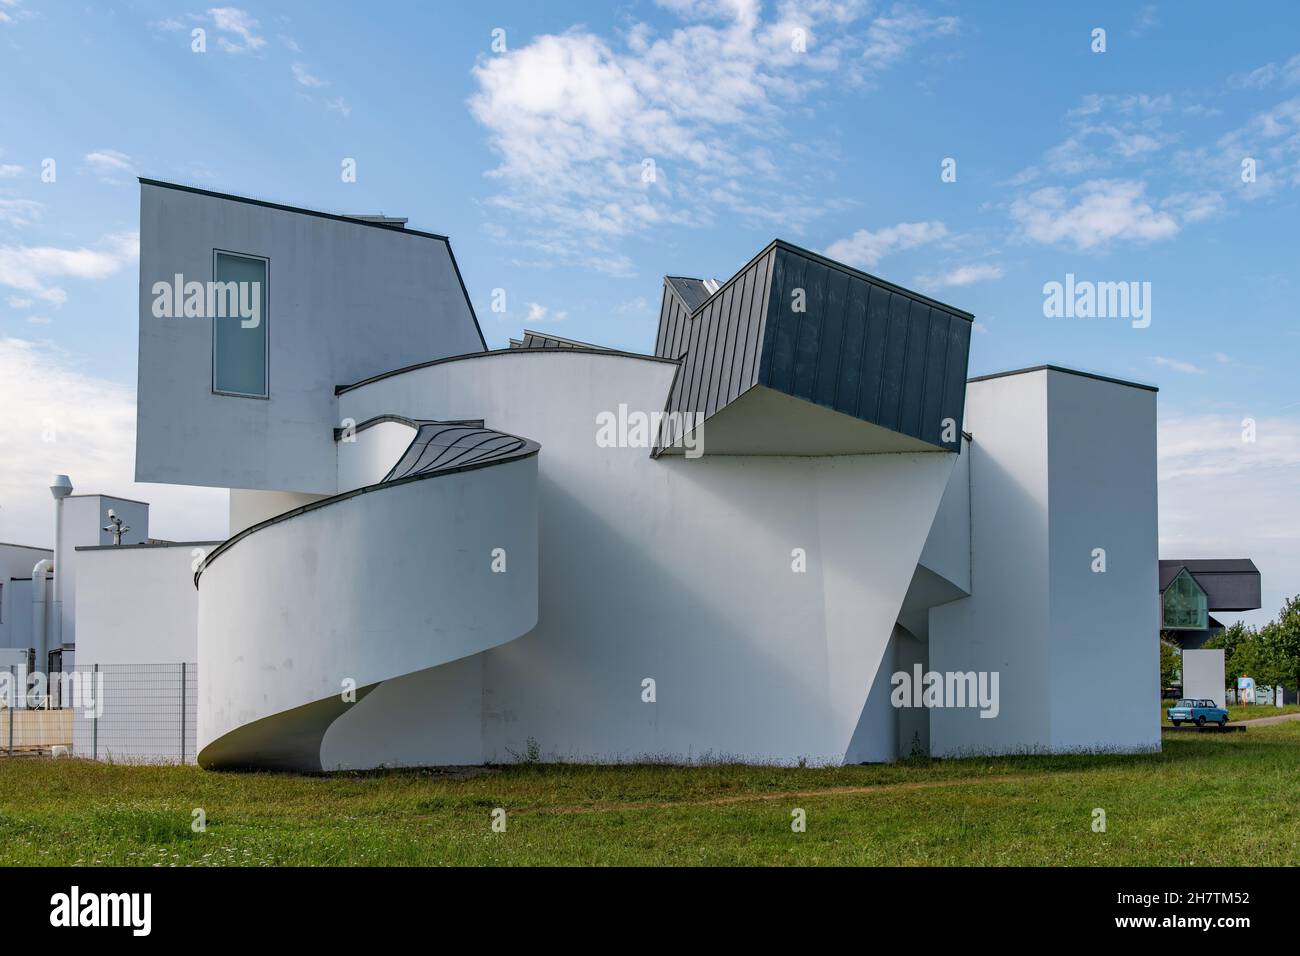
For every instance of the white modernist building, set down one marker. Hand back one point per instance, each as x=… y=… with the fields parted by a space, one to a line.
x=793 y=531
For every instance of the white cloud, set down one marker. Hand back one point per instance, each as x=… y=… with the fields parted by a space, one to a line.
x=1177 y=365
x=598 y=140
x=1092 y=215
x=537 y=312
x=964 y=275
x=1147 y=19
x=9 y=170
x=1222 y=497
x=93 y=423
x=239 y=24
x=865 y=248
x=1110 y=129
x=1267 y=75
x=29 y=269
x=305 y=78
x=891 y=36
x=12 y=13
x=109 y=163
x=1255 y=79
x=1194 y=207
x=19 y=212
x=339 y=105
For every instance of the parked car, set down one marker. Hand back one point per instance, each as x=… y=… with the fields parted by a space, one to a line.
x=1199 y=712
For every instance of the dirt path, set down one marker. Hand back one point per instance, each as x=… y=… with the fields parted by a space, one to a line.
x=606 y=807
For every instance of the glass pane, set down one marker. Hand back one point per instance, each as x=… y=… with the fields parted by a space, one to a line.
x=239 y=326
x=1185 y=605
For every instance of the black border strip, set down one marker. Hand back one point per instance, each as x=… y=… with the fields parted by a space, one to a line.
x=403 y=420
x=266 y=204
x=1068 y=371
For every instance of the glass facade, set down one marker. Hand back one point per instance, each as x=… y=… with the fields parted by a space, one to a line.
x=1184 y=604
x=239 y=362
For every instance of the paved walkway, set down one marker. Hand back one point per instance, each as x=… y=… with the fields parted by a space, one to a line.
x=1261 y=721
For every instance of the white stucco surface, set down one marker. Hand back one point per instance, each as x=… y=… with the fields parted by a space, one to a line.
x=679 y=571
x=84 y=520
x=1060 y=465
x=346 y=300
x=361 y=590
x=1203 y=676
x=138 y=605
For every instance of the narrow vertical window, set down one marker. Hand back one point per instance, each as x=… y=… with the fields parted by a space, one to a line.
x=238 y=307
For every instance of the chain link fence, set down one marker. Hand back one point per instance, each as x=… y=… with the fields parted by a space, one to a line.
x=123 y=713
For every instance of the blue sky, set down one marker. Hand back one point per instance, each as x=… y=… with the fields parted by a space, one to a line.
x=1123 y=165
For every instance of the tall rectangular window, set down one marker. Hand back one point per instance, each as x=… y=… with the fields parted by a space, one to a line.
x=239 y=325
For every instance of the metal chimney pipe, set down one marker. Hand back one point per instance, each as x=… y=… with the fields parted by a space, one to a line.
x=60 y=488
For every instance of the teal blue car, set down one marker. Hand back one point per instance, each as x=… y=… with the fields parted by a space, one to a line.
x=1198 y=712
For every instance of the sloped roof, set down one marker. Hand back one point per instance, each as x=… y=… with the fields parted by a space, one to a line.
x=1169 y=568
x=1230 y=584
x=692 y=292
x=544 y=340
x=793 y=322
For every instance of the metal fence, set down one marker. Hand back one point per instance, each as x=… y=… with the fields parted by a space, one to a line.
x=139 y=713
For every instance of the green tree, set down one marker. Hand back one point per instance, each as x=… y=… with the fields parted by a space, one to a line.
x=1171 y=665
x=1283 y=636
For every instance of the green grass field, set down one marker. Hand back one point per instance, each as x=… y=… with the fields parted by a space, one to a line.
x=1208 y=798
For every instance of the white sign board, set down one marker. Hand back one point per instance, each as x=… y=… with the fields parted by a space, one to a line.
x=1203 y=676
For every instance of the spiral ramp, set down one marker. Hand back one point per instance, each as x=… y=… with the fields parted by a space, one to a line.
x=303 y=615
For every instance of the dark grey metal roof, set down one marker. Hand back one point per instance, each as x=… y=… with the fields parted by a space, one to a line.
x=443 y=446
x=544 y=340
x=1230 y=584
x=692 y=292
x=860 y=346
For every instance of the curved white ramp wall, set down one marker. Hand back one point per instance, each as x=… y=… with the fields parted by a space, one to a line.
x=354 y=592
x=677 y=570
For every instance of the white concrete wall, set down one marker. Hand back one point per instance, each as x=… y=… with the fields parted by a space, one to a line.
x=84 y=519
x=346 y=301
x=679 y=570
x=1203 y=676
x=947 y=548
x=1105 y=656
x=138 y=605
x=1003 y=625
x=366 y=589
x=1060 y=464
x=372 y=453
x=248 y=508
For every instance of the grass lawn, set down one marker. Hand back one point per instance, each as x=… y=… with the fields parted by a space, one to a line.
x=1206 y=799
x=1237 y=711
